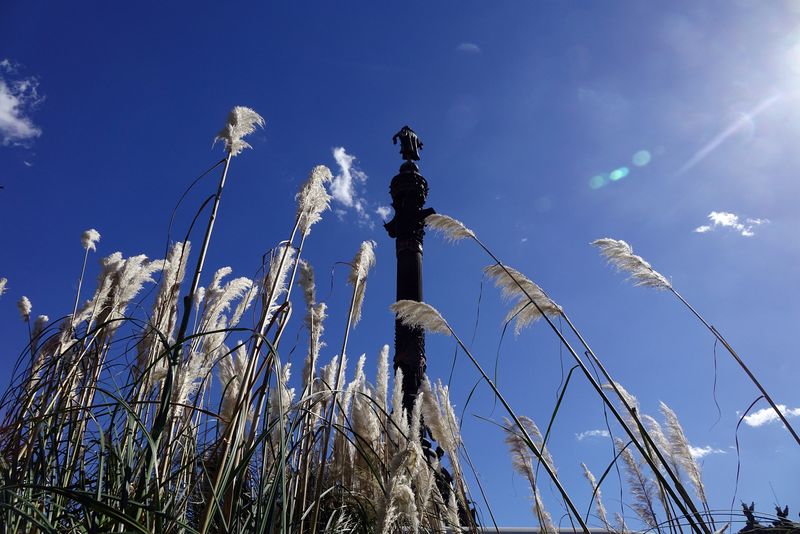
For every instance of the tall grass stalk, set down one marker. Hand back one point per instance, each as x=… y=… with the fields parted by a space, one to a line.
x=544 y=307
x=420 y=314
x=620 y=254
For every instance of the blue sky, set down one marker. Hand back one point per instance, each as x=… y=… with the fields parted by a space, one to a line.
x=546 y=125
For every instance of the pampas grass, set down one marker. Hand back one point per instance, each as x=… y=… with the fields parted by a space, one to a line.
x=90 y=238
x=135 y=414
x=420 y=314
x=24 y=307
x=242 y=121
x=452 y=229
x=363 y=261
x=620 y=254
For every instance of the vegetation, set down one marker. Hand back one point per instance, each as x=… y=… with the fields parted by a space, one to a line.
x=182 y=419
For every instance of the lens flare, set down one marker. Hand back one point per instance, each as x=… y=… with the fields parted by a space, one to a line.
x=597 y=181
x=641 y=158
x=618 y=174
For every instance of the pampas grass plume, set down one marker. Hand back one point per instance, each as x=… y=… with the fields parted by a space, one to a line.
x=3 y=282
x=420 y=314
x=90 y=238
x=313 y=198
x=242 y=121
x=620 y=255
x=598 y=499
x=452 y=229
x=363 y=261
x=25 y=307
x=682 y=451
x=515 y=286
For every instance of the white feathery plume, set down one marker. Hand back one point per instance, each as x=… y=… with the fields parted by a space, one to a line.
x=382 y=380
x=39 y=324
x=316 y=317
x=242 y=121
x=199 y=297
x=275 y=281
x=451 y=421
x=681 y=451
x=450 y=228
x=280 y=402
x=400 y=505
x=305 y=278
x=314 y=320
x=3 y=282
x=188 y=376
x=313 y=198
x=365 y=422
x=231 y=370
x=352 y=386
x=620 y=255
x=38 y=327
x=622 y=528
x=452 y=511
x=416 y=417
x=598 y=497
x=522 y=455
x=640 y=486
x=25 y=308
x=515 y=286
x=434 y=419
x=398 y=422
x=630 y=399
x=661 y=443
x=422 y=315
x=522 y=458
x=244 y=303
x=626 y=398
x=126 y=279
x=538 y=440
x=90 y=238
x=220 y=297
x=213 y=322
x=323 y=384
x=165 y=307
x=109 y=267
x=363 y=261
x=424 y=481
x=546 y=525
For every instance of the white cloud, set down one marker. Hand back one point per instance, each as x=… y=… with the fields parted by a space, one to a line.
x=469 y=48
x=345 y=186
x=724 y=219
x=591 y=434
x=383 y=212
x=768 y=415
x=17 y=98
x=699 y=452
x=523 y=240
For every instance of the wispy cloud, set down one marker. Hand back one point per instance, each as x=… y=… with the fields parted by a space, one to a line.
x=469 y=48
x=744 y=121
x=591 y=434
x=383 y=212
x=18 y=97
x=345 y=187
x=699 y=452
x=768 y=415
x=724 y=219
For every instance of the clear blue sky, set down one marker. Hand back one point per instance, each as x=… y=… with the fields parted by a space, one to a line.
x=527 y=111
